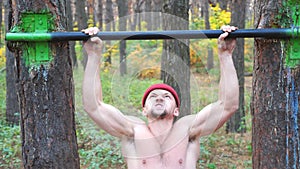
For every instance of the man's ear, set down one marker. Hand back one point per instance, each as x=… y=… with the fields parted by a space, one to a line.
x=144 y=111
x=176 y=112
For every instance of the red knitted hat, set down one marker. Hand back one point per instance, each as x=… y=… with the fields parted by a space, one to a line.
x=164 y=87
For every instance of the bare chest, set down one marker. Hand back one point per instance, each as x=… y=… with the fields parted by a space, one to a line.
x=168 y=150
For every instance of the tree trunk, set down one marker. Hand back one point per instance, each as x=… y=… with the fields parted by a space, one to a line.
x=156 y=15
x=237 y=121
x=275 y=101
x=46 y=93
x=210 y=54
x=109 y=16
x=148 y=11
x=82 y=19
x=223 y=4
x=175 y=64
x=137 y=14
x=12 y=102
x=100 y=14
x=123 y=10
x=70 y=28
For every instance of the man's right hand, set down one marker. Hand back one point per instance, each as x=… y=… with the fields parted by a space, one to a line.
x=93 y=46
x=226 y=45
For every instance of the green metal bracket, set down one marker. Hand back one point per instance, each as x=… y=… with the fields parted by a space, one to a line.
x=35 y=52
x=293 y=53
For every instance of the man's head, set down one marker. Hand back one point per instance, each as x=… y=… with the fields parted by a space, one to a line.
x=164 y=87
x=160 y=101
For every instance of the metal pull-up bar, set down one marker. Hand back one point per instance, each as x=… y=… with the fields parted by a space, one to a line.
x=35 y=29
x=279 y=33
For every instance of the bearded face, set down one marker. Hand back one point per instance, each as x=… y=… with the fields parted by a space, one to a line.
x=160 y=104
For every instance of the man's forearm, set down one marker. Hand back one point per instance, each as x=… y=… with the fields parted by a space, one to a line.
x=92 y=90
x=228 y=89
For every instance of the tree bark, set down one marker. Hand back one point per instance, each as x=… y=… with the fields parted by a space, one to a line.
x=210 y=54
x=46 y=93
x=223 y=4
x=275 y=100
x=148 y=10
x=175 y=64
x=100 y=14
x=156 y=15
x=12 y=102
x=70 y=28
x=82 y=19
x=237 y=121
x=123 y=10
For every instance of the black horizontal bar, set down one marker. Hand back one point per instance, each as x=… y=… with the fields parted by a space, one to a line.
x=175 y=34
x=278 y=33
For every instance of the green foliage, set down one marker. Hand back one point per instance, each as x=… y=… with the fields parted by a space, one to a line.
x=211 y=166
x=2 y=95
x=197 y=23
x=10 y=146
x=219 y=17
x=286 y=13
x=100 y=150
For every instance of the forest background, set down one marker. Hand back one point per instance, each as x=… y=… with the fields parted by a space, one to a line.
x=99 y=150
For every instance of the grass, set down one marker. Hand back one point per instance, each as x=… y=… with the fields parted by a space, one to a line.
x=100 y=150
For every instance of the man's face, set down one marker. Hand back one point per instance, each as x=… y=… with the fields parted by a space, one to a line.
x=160 y=103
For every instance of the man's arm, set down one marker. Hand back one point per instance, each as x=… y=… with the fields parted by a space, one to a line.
x=106 y=116
x=213 y=116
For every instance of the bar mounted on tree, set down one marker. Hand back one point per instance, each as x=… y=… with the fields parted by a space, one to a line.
x=35 y=30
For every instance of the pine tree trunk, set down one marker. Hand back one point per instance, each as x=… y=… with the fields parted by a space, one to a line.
x=175 y=64
x=156 y=15
x=275 y=101
x=237 y=121
x=100 y=14
x=210 y=54
x=123 y=10
x=148 y=10
x=12 y=102
x=223 y=4
x=108 y=19
x=82 y=20
x=70 y=28
x=46 y=93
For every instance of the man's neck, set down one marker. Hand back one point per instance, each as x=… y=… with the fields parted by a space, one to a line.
x=160 y=128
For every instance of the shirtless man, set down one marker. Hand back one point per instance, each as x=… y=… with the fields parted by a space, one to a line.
x=159 y=143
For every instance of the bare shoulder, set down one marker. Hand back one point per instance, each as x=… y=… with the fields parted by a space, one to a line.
x=186 y=126
x=185 y=121
x=136 y=120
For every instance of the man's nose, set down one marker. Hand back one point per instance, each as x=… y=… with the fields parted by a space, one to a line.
x=159 y=98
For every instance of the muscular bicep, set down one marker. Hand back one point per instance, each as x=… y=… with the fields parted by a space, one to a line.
x=113 y=121
x=208 y=120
